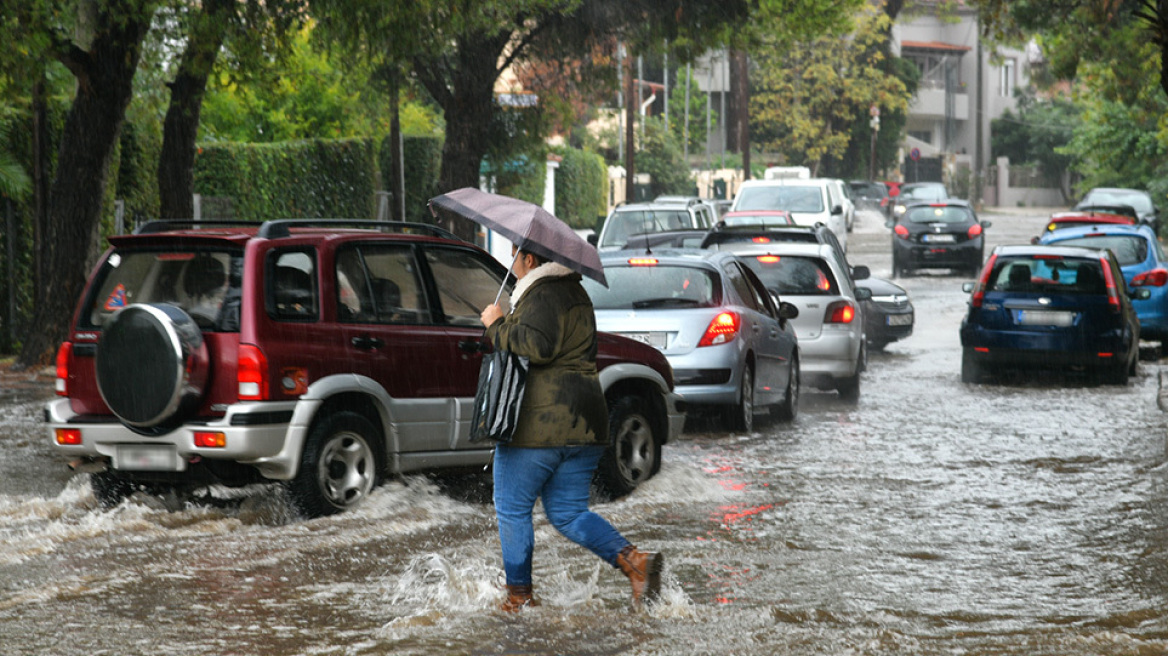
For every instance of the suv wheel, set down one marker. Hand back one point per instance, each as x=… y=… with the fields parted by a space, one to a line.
x=339 y=467
x=109 y=488
x=634 y=455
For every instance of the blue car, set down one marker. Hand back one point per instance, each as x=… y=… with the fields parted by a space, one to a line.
x=1037 y=306
x=1140 y=258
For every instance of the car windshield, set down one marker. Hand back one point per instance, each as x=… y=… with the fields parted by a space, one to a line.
x=793 y=198
x=622 y=225
x=1136 y=199
x=739 y=220
x=654 y=287
x=930 y=214
x=924 y=192
x=204 y=283
x=1047 y=274
x=1128 y=249
x=793 y=275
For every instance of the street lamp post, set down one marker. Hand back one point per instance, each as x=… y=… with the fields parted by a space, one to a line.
x=874 y=112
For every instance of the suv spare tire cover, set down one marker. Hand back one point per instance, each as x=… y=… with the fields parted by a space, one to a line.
x=152 y=366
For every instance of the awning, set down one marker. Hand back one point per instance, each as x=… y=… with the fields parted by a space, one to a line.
x=935 y=46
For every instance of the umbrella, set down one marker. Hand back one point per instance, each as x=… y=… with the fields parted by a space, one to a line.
x=527 y=225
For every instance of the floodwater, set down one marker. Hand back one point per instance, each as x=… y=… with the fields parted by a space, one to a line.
x=1024 y=517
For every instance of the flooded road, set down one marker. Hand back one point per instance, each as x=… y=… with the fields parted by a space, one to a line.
x=1026 y=517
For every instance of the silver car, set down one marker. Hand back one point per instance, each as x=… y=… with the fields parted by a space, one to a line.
x=830 y=322
x=731 y=344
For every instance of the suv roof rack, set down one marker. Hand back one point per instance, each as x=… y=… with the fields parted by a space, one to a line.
x=278 y=228
x=165 y=225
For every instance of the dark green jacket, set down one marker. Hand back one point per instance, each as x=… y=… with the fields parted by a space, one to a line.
x=554 y=325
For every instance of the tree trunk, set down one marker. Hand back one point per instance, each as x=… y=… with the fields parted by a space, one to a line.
x=176 y=161
x=741 y=83
x=105 y=75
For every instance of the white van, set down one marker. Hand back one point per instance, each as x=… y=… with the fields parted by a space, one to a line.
x=810 y=201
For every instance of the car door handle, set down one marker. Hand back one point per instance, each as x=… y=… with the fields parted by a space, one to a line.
x=367 y=343
x=473 y=346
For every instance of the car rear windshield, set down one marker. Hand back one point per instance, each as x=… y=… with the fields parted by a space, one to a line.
x=926 y=192
x=655 y=287
x=793 y=274
x=1128 y=249
x=1139 y=201
x=1048 y=275
x=623 y=225
x=930 y=214
x=793 y=198
x=204 y=283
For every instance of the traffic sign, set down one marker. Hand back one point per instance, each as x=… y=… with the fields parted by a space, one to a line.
x=914 y=154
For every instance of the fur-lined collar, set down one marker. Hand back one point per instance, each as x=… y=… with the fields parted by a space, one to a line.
x=545 y=270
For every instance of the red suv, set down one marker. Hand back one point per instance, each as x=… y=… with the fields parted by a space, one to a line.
x=323 y=354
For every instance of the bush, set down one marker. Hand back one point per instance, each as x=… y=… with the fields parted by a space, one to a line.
x=423 y=161
x=581 y=182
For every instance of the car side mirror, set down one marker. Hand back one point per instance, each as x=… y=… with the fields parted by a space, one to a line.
x=861 y=272
x=863 y=294
x=1035 y=240
x=593 y=238
x=967 y=287
x=986 y=224
x=788 y=310
x=1141 y=294
x=838 y=209
x=890 y=224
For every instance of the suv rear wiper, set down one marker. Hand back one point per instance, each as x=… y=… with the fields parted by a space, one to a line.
x=666 y=302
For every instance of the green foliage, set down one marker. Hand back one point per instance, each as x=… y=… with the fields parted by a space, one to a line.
x=423 y=157
x=298 y=179
x=700 y=111
x=660 y=156
x=1036 y=135
x=581 y=183
x=14 y=179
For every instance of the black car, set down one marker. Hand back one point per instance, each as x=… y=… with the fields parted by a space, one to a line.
x=938 y=234
x=870 y=195
x=1139 y=200
x=888 y=315
x=915 y=192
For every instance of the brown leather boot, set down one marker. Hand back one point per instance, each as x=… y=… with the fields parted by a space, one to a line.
x=518 y=598
x=644 y=572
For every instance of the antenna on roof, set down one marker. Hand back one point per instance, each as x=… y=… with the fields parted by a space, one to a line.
x=648 y=249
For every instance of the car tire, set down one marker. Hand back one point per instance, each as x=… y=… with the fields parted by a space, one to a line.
x=634 y=452
x=849 y=388
x=740 y=415
x=1116 y=374
x=788 y=408
x=972 y=371
x=340 y=465
x=110 y=489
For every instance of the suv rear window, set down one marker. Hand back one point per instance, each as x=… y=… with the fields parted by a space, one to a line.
x=793 y=274
x=204 y=283
x=1128 y=249
x=929 y=214
x=622 y=225
x=644 y=287
x=793 y=198
x=1047 y=275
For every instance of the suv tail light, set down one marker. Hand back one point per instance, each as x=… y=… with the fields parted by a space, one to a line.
x=840 y=312
x=1113 y=303
x=983 y=282
x=252 y=373
x=64 y=355
x=721 y=330
x=1153 y=278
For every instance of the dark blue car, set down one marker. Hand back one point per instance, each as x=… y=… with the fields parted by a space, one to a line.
x=1037 y=306
x=1140 y=258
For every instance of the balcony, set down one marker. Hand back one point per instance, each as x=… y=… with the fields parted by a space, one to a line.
x=930 y=103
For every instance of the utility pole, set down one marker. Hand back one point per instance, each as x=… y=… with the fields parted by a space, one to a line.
x=630 y=133
x=874 y=123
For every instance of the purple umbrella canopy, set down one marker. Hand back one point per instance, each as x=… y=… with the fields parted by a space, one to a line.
x=527 y=225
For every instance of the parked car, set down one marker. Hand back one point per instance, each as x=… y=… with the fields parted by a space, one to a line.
x=1142 y=261
x=322 y=354
x=916 y=191
x=628 y=221
x=870 y=195
x=810 y=201
x=843 y=192
x=889 y=314
x=937 y=234
x=1077 y=218
x=1139 y=200
x=830 y=324
x=755 y=219
x=705 y=211
x=731 y=345
x=1038 y=306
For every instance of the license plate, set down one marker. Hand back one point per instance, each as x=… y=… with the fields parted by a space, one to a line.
x=900 y=319
x=147 y=457
x=938 y=239
x=655 y=339
x=1045 y=318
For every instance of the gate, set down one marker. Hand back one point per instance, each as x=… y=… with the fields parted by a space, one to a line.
x=925 y=169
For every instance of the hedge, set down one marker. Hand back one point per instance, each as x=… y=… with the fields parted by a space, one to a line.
x=423 y=158
x=581 y=184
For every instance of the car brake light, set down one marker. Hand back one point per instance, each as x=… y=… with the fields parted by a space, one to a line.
x=769 y=259
x=840 y=312
x=643 y=261
x=721 y=330
x=210 y=439
x=68 y=436
x=1153 y=278
x=252 y=373
x=64 y=354
x=1113 y=303
x=974 y=230
x=982 y=282
x=901 y=231
x=761 y=240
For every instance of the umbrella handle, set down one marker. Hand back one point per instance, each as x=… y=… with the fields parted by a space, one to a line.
x=499 y=295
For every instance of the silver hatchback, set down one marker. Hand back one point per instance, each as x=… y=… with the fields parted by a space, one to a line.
x=731 y=343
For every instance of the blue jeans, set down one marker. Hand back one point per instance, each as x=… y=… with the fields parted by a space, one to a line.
x=562 y=477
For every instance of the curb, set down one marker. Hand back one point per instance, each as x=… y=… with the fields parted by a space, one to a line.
x=1162 y=394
